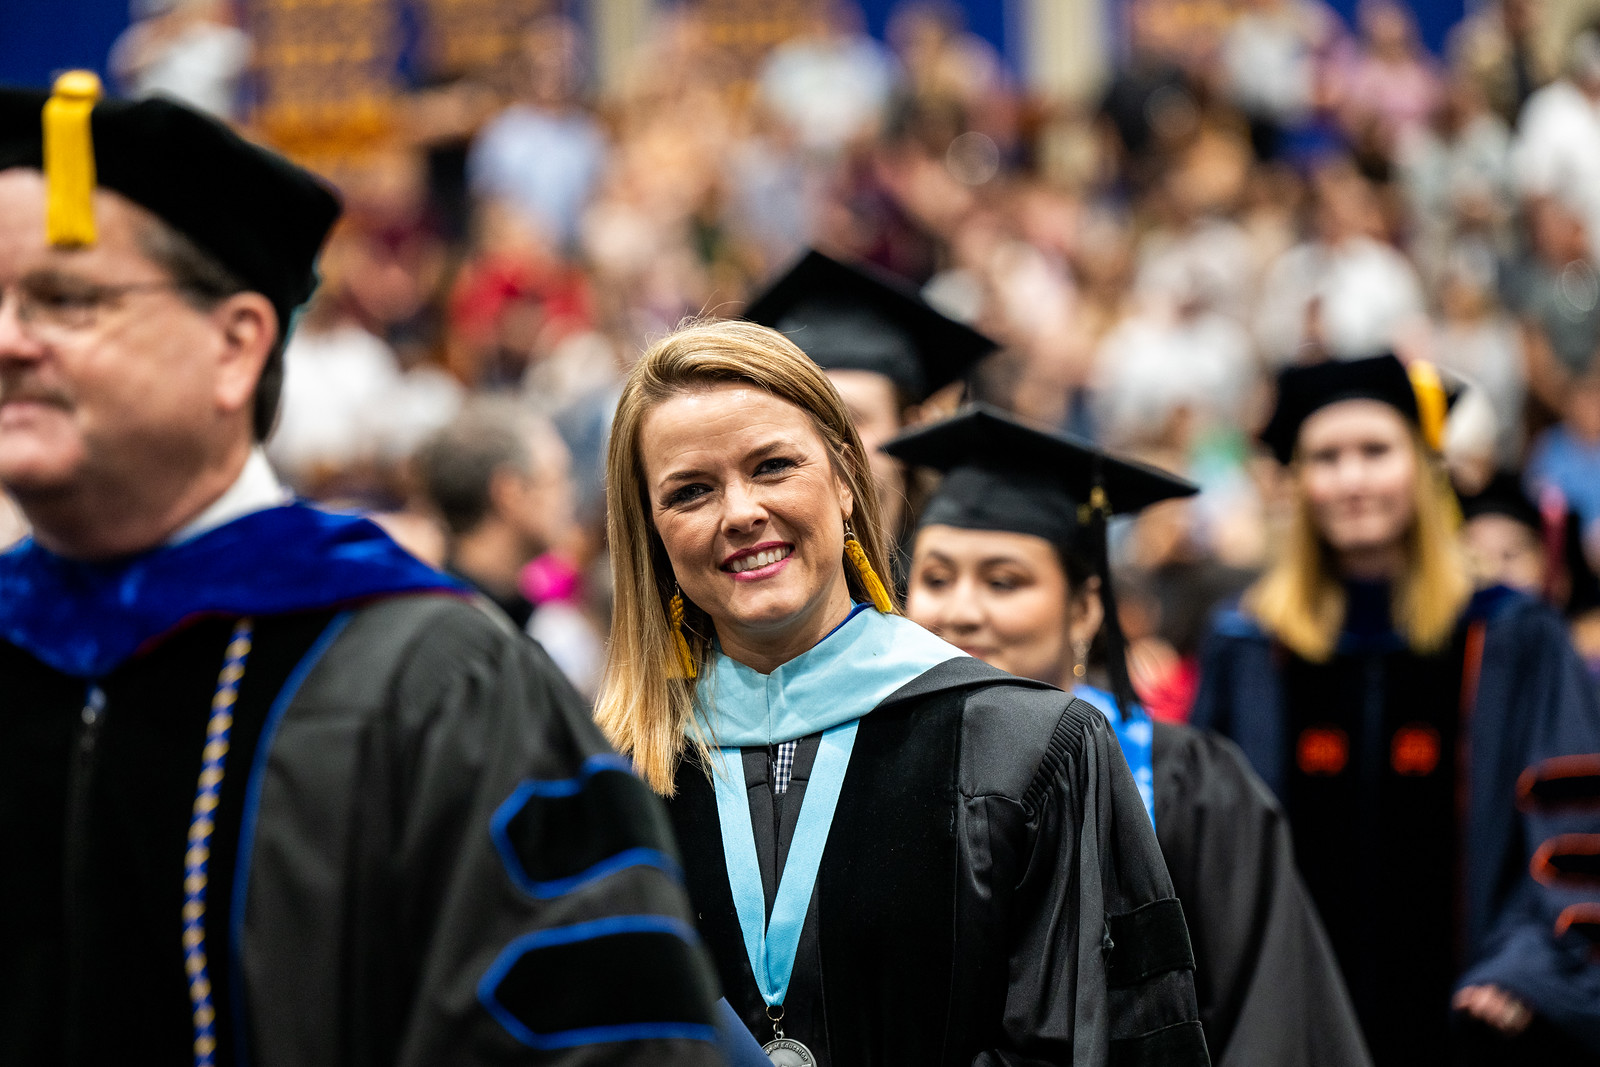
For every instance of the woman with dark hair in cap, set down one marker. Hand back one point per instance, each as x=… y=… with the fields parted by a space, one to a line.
x=1392 y=710
x=1010 y=565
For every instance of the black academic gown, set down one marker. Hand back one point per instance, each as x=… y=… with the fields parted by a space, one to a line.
x=1267 y=983
x=1398 y=772
x=990 y=892
x=382 y=889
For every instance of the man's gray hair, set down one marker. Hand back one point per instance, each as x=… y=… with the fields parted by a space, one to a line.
x=457 y=464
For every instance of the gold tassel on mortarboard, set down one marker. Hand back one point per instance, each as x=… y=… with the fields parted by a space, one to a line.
x=69 y=159
x=1432 y=404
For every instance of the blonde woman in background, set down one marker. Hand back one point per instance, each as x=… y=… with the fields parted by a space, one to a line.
x=896 y=853
x=1393 y=710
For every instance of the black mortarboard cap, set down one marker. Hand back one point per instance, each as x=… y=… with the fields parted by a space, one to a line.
x=1001 y=474
x=258 y=214
x=856 y=318
x=1504 y=495
x=1302 y=391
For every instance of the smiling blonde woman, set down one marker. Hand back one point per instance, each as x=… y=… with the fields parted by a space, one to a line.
x=895 y=852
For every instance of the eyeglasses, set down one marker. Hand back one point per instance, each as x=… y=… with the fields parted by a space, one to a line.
x=57 y=306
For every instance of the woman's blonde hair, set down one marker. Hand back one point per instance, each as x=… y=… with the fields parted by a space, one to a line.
x=645 y=706
x=1300 y=600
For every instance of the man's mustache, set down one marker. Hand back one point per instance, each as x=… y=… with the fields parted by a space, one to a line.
x=15 y=388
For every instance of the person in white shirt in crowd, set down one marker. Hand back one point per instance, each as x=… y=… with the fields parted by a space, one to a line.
x=189 y=50
x=1344 y=291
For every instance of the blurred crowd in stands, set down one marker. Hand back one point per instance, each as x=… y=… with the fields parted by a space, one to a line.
x=1256 y=188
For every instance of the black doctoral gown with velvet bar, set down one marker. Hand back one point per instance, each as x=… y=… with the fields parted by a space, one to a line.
x=1398 y=772
x=990 y=893
x=1266 y=979
x=424 y=854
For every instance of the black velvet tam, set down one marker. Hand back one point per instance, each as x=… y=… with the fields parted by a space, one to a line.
x=856 y=318
x=1001 y=474
x=1302 y=391
x=260 y=215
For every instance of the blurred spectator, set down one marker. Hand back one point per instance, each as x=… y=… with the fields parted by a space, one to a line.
x=1503 y=535
x=1557 y=153
x=512 y=301
x=544 y=154
x=1386 y=89
x=1566 y=457
x=338 y=380
x=1493 y=46
x=1475 y=339
x=1173 y=372
x=945 y=63
x=187 y=49
x=1269 y=65
x=1527 y=545
x=1455 y=172
x=830 y=84
x=1556 y=290
x=1149 y=104
x=1344 y=294
x=898 y=203
x=1195 y=251
x=498 y=477
x=393 y=258
x=351 y=413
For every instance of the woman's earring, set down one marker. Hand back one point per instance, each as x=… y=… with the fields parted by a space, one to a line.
x=675 y=617
x=1080 y=658
x=869 y=577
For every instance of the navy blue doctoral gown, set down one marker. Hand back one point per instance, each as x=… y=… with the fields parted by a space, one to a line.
x=1399 y=772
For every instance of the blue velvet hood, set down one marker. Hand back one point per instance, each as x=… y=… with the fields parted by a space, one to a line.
x=84 y=619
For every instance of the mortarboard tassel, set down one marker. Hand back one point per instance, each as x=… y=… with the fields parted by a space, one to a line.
x=69 y=159
x=1094 y=517
x=1432 y=402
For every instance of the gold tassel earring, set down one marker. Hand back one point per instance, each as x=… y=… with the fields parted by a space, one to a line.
x=869 y=577
x=675 y=617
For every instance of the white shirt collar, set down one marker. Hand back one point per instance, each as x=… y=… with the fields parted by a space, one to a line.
x=256 y=489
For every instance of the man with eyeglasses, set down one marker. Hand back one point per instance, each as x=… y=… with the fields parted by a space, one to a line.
x=271 y=791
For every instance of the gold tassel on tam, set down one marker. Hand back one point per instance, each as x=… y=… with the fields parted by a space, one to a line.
x=869 y=577
x=1432 y=404
x=675 y=617
x=69 y=159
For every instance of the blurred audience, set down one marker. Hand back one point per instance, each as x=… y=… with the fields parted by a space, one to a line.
x=188 y=49
x=544 y=154
x=1256 y=184
x=498 y=478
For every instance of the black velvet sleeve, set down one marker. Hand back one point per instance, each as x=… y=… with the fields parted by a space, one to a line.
x=557 y=897
x=511 y=892
x=1268 y=985
x=1100 y=967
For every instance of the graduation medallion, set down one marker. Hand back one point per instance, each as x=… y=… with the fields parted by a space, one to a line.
x=787 y=1052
